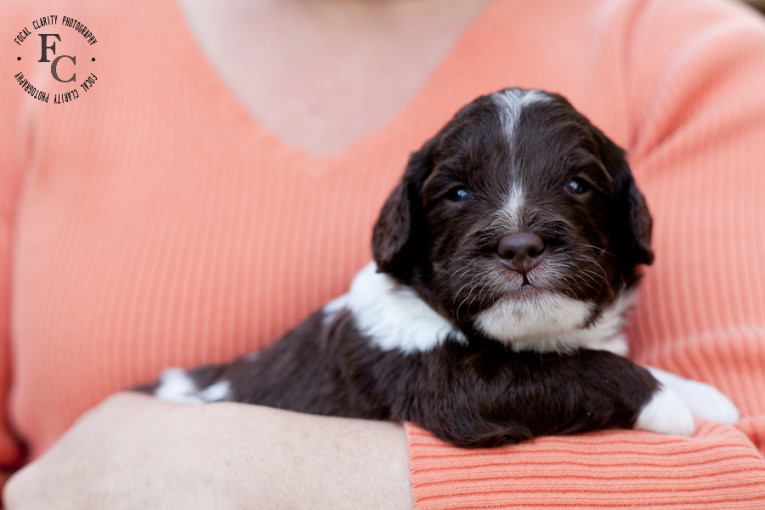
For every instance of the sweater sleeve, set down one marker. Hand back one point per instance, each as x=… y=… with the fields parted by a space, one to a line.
x=14 y=17
x=696 y=75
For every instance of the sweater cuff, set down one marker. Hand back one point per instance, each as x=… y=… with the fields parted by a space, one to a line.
x=719 y=467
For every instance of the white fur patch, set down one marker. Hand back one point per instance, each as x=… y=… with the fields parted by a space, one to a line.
x=678 y=401
x=217 y=392
x=175 y=385
x=666 y=413
x=606 y=334
x=703 y=400
x=555 y=324
x=511 y=103
x=391 y=314
x=544 y=322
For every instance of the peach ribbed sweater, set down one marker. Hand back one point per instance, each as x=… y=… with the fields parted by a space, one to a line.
x=154 y=223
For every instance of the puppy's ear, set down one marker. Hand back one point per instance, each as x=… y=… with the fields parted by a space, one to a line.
x=632 y=224
x=398 y=237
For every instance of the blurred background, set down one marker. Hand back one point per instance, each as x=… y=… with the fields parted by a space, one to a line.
x=760 y=4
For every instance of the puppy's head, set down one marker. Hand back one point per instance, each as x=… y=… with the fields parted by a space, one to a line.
x=519 y=221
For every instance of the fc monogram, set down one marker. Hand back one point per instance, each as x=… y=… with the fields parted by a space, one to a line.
x=54 y=65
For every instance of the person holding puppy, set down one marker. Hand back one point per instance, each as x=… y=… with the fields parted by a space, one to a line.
x=220 y=182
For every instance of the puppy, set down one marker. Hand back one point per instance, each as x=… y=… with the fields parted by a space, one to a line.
x=504 y=262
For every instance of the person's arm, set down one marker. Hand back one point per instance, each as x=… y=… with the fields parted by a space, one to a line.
x=222 y=456
x=9 y=448
x=11 y=133
x=10 y=451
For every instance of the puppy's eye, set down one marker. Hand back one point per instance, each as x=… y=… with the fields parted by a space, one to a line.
x=458 y=195
x=577 y=186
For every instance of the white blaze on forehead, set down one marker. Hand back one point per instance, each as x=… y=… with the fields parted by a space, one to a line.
x=511 y=103
x=513 y=207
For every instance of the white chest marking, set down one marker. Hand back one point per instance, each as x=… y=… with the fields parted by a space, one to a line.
x=391 y=314
x=394 y=317
x=554 y=323
x=543 y=323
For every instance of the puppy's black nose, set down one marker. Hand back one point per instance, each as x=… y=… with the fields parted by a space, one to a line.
x=522 y=251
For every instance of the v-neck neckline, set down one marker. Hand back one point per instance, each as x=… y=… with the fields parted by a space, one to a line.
x=211 y=80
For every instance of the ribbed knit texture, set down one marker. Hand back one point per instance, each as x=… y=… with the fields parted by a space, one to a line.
x=153 y=223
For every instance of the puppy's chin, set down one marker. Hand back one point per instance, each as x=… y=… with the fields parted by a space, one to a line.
x=531 y=318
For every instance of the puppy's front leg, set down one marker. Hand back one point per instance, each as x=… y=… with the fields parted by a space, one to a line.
x=498 y=396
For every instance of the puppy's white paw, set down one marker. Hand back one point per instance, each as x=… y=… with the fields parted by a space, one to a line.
x=703 y=400
x=666 y=413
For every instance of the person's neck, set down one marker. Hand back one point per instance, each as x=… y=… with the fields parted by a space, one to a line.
x=321 y=74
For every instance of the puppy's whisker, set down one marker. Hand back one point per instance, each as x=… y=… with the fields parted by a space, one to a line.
x=596 y=248
x=592 y=261
x=467 y=299
x=458 y=273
